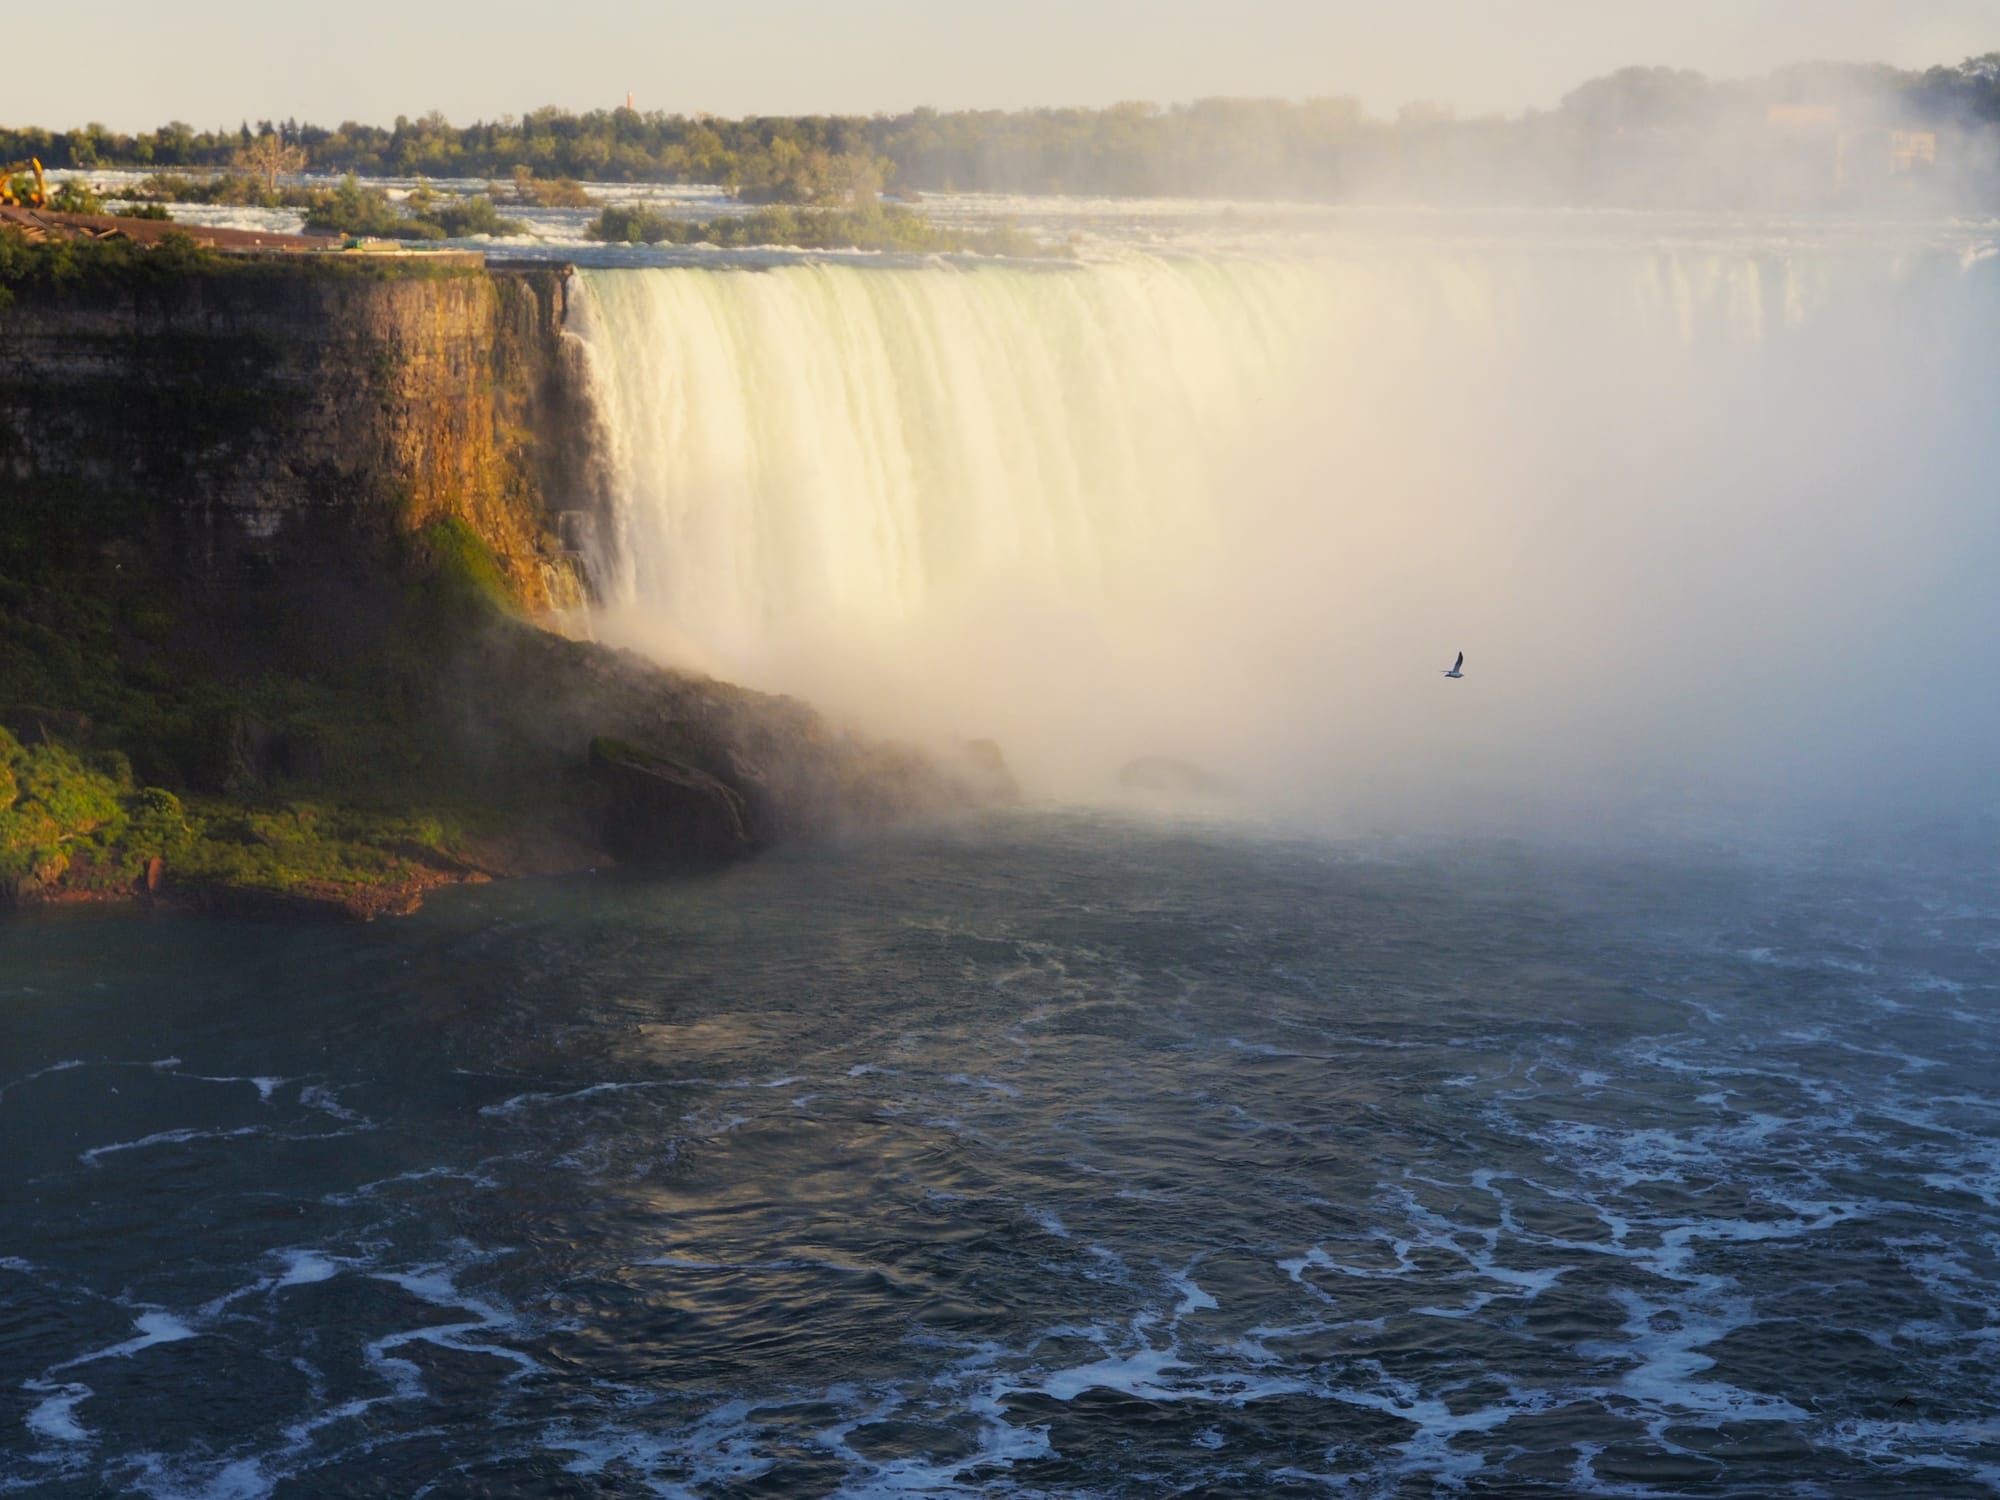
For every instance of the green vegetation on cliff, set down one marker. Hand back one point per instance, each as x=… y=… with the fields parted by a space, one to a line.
x=55 y=810
x=82 y=825
x=58 y=267
x=138 y=723
x=51 y=267
x=348 y=208
x=343 y=741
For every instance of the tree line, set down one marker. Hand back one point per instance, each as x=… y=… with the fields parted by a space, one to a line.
x=1639 y=132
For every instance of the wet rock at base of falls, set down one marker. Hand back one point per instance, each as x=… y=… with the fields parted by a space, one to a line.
x=662 y=811
x=1161 y=773
x=987 y=775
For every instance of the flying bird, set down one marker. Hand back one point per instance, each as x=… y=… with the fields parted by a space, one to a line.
x=1457 y=667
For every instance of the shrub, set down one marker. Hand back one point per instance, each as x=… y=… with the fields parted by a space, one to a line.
x=469 y=216
x=621 y=224
x=75 y=196
x=557 y=192
x=873 y=227
x=465 y=575
x=356 y=210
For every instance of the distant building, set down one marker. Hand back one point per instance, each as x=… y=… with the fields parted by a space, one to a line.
x=1911 y=151
x=1811 y=140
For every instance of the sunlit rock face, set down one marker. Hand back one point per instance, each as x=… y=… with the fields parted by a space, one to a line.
x=282 y=414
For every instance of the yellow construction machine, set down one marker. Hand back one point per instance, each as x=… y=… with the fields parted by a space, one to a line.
x=13 y=184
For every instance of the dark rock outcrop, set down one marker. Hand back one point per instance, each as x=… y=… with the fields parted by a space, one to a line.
x=661 y=811
x=1164 y=774
x=988 y=776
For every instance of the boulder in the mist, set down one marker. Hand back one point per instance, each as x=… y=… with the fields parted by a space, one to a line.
x=985 y=773
x=663 y=811
x=1164 y=774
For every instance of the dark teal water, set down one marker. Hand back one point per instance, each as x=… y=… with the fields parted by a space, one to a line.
x=1060 y=1155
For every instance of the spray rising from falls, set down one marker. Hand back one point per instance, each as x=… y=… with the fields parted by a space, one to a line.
x=1228 y=507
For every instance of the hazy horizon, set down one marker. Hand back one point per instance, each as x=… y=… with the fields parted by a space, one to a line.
x=213 y=62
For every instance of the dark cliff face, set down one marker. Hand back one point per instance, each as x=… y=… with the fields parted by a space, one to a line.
x=243 y=418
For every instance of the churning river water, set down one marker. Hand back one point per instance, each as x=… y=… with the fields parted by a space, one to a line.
x=1052 y=1154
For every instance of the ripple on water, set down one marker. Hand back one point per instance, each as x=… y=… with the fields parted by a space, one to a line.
x=1254 y=1205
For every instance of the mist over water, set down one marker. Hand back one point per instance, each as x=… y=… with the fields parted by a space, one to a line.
x=1706 y=507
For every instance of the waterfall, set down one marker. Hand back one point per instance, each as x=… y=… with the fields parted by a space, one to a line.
x=820 y=446
x=1185 y=490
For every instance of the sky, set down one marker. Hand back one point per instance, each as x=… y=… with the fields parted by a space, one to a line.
x=215 y=62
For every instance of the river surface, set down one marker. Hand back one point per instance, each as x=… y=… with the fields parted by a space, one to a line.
x=1055 y=1154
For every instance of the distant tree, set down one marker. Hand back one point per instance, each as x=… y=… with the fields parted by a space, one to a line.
x=1640 y=99
x=855 y=178
x=1630 y=135
x=270 y=158
x=174 y=144
x=83 y=145
x=1424 y=114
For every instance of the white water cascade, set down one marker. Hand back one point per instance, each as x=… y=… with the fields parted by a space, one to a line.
x=1235 y=507
x=823 y=447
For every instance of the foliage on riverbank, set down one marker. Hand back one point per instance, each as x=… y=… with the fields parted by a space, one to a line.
x=422 y=215
x=55 y=266
x=877 y=226
x=234 y=189
x=142 y=748
x=80 y=827
x=58 y=267
x=348 y=208
x=55 y=810
x=544 y=192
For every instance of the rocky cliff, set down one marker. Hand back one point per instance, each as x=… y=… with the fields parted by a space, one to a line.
x=274 y=541
x=281 y=413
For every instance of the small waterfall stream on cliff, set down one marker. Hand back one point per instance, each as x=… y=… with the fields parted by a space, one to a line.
x=1237 y=507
